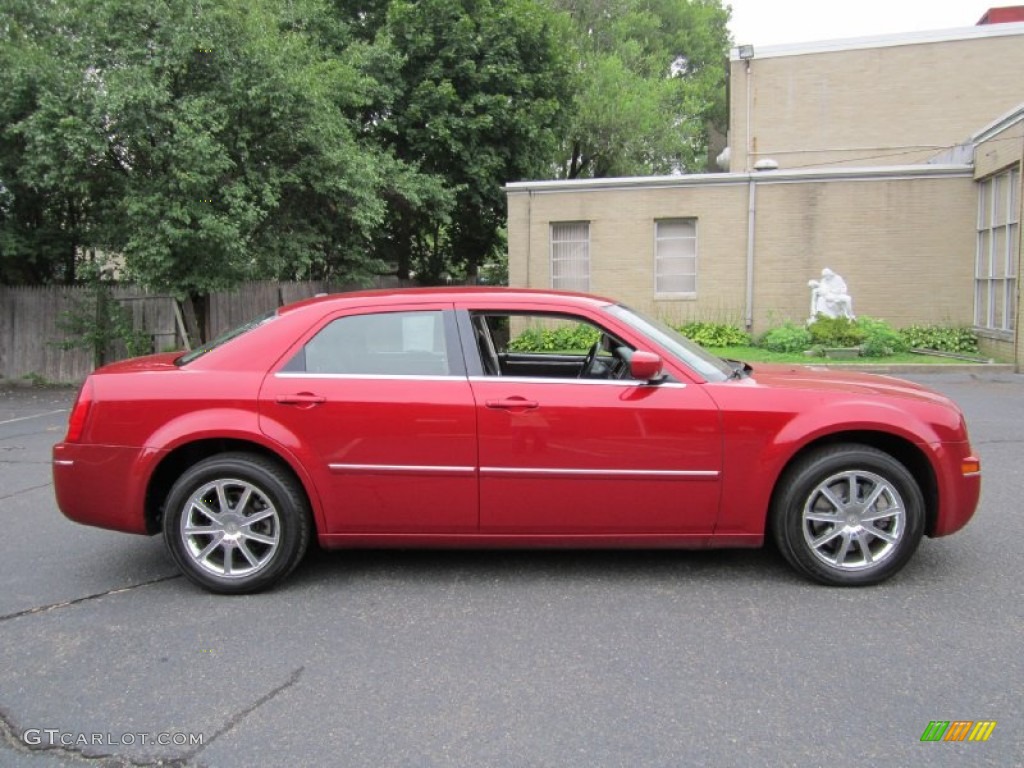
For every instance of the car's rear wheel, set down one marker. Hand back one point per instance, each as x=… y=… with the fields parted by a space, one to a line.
x=236 y=523
x=848 y=515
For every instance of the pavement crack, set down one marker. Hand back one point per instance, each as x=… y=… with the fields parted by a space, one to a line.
x=85 y=598
x=24 y=490
x=243 y=713
x=72 y=755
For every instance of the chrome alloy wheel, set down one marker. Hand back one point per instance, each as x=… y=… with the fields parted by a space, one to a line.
x=853 y=520
x=230 y=528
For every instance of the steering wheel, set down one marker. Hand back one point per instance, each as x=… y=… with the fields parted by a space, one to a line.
x=588 y=361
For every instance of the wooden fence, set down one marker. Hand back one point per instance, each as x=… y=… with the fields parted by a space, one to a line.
x=33 y=322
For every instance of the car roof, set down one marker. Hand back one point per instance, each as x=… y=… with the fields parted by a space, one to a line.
x=455 y=294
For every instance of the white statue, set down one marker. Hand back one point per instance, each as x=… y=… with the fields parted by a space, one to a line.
x=830 y=297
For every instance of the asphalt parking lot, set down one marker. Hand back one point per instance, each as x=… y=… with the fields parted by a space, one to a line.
x=109 y=658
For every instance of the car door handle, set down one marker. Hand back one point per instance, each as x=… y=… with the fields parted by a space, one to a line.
x=307 y=399
x=513 y=404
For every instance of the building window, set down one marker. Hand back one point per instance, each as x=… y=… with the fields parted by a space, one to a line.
x=570 y=256
x=675 y=256
x=995 y=266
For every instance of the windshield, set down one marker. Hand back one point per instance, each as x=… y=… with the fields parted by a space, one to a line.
x=225 y=337
x=707 y=365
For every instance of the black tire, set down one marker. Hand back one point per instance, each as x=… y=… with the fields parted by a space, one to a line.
x=224 y=493
x=847 y=515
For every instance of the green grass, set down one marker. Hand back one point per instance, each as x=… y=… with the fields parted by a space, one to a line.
x=756 y=355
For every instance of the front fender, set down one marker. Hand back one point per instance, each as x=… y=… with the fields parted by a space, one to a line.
x=755 y=458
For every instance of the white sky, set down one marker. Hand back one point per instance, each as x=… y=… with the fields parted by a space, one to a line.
x=774 y=22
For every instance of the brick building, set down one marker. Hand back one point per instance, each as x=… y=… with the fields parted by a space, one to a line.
x=896 y=161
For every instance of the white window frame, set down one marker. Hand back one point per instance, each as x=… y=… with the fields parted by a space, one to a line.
x=658 y=273
x=569 y=256
x=997 y=252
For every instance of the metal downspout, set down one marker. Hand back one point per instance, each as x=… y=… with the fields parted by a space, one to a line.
x=751 y=221
x=529 y=236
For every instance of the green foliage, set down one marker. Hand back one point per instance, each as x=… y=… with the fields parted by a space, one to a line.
x=787 y=337
x=213 y=142
x=835 y=332
x=874 y=337
x=204 y=143
x=709 y=334
x=574 y=338
x=958 y=339
x=208 y=143
x=99 y=322
x=650 y=79
x=35 y=379
x=476 y=89
x=880 y=338
x=44 y=210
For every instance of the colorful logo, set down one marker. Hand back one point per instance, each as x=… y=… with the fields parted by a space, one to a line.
x=958 y=730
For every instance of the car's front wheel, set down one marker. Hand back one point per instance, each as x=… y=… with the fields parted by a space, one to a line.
x=848 y=515
x=236 y=523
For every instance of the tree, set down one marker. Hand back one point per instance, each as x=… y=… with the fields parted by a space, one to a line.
x=651 y=77
x=202 y=143
x=476 y=96
x=46 y=211
x=236 y=134
x=211 y=142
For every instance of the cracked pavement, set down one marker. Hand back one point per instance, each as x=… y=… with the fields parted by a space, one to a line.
x=506 y=658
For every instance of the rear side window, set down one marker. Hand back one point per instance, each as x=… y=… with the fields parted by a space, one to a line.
x=225 y=337
x=380 y=344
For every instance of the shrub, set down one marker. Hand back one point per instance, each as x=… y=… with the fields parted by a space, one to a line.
x=714 y=334
x=573 y=338
x=835 y=332
x=786 y=338
x=880 y=338
x=941 y=338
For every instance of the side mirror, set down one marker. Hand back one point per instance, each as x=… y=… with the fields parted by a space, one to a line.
x=645 y=366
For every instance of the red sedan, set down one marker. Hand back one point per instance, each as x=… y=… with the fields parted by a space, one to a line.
x=416 y=419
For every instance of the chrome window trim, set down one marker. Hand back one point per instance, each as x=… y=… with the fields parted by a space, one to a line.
x=368 y=376
x=458 y=377
x=554 y=380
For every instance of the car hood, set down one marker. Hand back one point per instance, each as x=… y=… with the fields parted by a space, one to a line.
x=820 y=379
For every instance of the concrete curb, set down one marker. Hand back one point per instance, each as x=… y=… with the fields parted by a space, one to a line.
x=915 y=368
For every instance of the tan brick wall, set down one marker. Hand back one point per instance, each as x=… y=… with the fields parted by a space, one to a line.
x=865 y=107
x=622 y=244
x=905 y=246
x=1000 y=151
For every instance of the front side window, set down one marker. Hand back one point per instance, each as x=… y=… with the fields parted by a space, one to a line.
x=692 y=355
x=570 y=256
x=380 y=344
x=548 y=346
x=675 y=256
x=995 y=271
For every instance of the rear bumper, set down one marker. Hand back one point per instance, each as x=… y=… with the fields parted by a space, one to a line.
x=101 y=485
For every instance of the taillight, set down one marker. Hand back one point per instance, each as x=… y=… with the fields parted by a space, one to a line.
x=79 y=414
